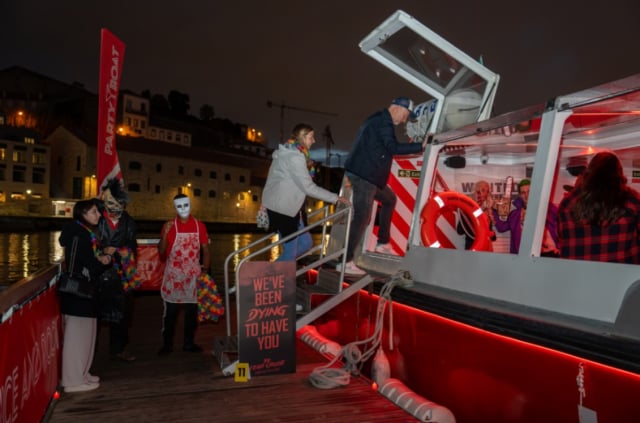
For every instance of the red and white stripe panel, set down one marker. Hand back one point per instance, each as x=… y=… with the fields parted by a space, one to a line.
x=403 y=180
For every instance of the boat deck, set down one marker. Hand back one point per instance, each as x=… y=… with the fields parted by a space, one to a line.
x=190 y=387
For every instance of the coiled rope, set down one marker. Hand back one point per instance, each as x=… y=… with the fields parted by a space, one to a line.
x=329 y=377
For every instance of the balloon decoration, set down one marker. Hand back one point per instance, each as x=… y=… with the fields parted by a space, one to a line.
x=210 y=306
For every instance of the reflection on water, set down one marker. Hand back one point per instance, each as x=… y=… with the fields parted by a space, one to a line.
x=22 y=254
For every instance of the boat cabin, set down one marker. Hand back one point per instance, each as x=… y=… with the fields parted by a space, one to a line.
x=547 y=146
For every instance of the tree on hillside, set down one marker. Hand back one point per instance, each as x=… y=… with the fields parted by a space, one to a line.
x=179 y=103
x=207 y=112
x=159 y=104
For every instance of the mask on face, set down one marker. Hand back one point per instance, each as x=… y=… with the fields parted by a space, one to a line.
x=113 y=206
x=183 y=207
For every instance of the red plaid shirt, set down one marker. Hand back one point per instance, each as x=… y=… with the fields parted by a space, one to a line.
x=617 y=242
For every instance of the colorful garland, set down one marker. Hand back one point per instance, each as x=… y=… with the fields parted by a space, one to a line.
x=127 y=269
x=209 y=300
x=94 y=240
x=311 y=165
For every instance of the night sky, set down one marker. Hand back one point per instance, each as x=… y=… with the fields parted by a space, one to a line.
x=237 y=55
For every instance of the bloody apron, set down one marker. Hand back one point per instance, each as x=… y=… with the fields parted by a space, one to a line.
x=182 y=268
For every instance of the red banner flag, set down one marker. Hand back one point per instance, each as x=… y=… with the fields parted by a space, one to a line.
x=111 y=57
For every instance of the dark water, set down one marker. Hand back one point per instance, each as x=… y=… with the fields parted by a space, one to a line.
x=22 y=254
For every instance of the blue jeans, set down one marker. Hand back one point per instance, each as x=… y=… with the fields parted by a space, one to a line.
x=364 y=194
x=294 y=248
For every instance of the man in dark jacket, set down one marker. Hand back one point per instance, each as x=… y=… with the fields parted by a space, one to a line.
x=368 y=169
x=117 y=236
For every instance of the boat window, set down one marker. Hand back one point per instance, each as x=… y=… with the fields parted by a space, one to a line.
x=486 y=178
x=609 y=124
x=496 y=166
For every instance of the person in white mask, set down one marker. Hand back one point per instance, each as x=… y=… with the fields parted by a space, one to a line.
x=184 y=244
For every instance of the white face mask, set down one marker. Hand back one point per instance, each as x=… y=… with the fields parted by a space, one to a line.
x=114 y=208
x=183 y=207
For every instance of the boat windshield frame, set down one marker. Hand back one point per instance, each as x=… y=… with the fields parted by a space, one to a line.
x=434 y=65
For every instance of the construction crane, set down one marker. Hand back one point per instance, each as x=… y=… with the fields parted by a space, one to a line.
x=283 y=106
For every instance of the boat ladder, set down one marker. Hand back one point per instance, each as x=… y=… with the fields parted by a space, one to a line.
x=330 y=282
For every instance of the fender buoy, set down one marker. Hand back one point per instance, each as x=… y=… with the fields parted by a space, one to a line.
x=450 y=201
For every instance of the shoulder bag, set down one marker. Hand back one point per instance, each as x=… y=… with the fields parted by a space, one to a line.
x=75 y=283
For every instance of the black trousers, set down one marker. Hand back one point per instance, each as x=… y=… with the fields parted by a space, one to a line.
x=119 y=331
x=170 y=318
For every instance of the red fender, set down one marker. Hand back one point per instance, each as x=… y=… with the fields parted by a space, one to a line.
x=450 y=201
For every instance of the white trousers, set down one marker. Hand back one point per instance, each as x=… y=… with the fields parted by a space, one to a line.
x=77 y=349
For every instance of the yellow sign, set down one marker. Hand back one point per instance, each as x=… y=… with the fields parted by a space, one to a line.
x=242 y=372
x=408 y=173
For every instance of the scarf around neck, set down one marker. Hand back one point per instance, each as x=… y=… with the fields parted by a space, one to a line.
x=311 y=165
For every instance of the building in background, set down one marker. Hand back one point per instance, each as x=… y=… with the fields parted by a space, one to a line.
x=220 y=164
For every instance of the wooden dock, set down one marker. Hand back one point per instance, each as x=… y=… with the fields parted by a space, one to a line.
x=190 y=387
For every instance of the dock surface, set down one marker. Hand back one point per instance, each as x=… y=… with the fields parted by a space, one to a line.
x=190 y=387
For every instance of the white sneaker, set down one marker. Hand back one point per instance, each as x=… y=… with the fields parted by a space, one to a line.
x=350 y=269
x=385 y=249
x=92 y=379
x=299 y=307
x=82 y=388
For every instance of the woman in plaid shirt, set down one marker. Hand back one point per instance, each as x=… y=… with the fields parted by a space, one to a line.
x=599 y=219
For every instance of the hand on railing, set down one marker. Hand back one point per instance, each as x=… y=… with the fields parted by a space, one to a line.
x=344 y=201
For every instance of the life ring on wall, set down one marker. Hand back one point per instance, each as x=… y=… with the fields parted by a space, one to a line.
x=449 y=202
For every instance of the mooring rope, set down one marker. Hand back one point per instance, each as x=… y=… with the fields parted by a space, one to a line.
x=329 y=377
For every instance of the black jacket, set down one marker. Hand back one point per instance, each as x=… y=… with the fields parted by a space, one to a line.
x=85 y=262
x=373 y=150
x=123 y=235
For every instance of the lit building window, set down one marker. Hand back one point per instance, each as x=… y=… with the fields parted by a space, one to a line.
x=19 y=155
x=39 y=157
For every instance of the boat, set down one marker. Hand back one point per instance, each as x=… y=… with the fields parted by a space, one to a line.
x=449 y=334
x=488 y=334
x=545 y=322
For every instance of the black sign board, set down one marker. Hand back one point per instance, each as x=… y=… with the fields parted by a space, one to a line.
x=267 y=317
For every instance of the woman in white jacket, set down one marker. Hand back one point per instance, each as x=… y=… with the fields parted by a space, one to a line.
x=289 y=181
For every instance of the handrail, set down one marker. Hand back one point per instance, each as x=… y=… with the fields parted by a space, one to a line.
x=226 y=275
x=22 y=292
x=323 y=257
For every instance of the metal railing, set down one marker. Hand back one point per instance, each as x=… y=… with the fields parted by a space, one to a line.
x=323 y=257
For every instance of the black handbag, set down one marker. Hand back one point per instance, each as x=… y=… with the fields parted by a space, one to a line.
x=75 y=283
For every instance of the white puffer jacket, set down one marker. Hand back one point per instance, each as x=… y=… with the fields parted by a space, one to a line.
x=289 y=182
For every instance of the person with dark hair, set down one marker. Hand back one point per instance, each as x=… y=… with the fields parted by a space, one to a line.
x=599 y=219
x=117 y=237
x=289 y=182
x=79 y=315
x=184 y=243
x=368 y=167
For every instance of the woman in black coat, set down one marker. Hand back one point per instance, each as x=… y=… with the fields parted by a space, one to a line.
x=80 y=315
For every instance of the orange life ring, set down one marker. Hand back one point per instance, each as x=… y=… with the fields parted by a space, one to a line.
x=450 y=201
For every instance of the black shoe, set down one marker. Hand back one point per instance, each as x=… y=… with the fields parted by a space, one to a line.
x=123 y=356
x=166 y=349
x=192 y=348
